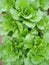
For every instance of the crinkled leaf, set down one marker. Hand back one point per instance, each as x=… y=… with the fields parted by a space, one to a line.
x=14 y=14
x=27 y=61
x=46 y=37
x=29 y=24
x=28 y=39
x=36 y=59
x=35 y=4
x=43 y=23
x=44 y=4
x=38 y=16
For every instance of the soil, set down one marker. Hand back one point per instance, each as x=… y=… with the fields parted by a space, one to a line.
x=0 y=39
x=48 y=11
x=1 y=63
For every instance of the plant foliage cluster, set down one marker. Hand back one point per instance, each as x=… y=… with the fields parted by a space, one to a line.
x=24 y=27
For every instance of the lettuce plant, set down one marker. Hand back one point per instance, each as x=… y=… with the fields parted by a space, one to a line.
x=24 y=28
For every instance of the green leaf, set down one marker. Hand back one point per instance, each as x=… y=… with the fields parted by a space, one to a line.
x=29 y=24
x=28 y=39
x=44 y=4
x=46 y=37
x=43 y=23
x=44 y=63
x=9 y=3
x=14 y=14
x=38 y=16
x=28 y=17
x=16 y=34
x=7 y=40
x=22 y=4
x=6 y=4
x=25 y=31
x=3 y=32
x=2 y=6
x=27 y=61
x=20 y=27
x=36 y=59
x=24 y=27
x=47 y=53
x=35 y=4
x=28 y=46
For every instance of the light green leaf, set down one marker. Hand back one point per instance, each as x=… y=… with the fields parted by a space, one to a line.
x=44 y=4
x=20 y=27
x=38 y=16
x=22 y=4
x=27 y=61
x=14 y=14
x=36 y=59
x=16 y=34
x=35 y=4
x=46 y=37
x=43 y=23
x=28 y=39
x=44 y=63
x=29 y=24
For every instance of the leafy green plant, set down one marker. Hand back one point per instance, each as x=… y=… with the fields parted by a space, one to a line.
x=24 y=27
